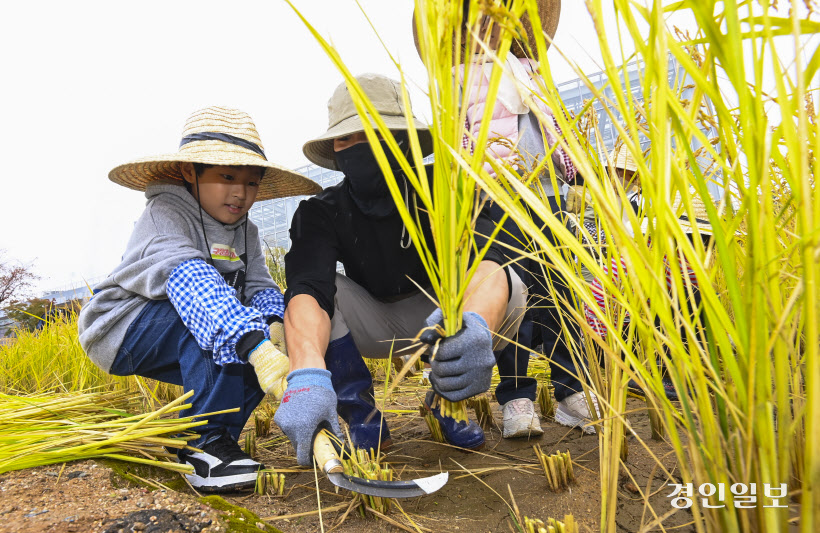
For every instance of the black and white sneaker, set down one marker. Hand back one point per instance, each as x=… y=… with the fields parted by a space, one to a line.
x=221 y=466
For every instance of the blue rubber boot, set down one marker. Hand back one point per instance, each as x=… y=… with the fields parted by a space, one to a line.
x=462 y=434
x=354 y=395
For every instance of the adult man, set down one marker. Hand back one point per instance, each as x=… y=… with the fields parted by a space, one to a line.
x=332 y=321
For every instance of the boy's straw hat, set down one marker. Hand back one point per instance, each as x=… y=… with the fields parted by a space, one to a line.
x=343 y=119
x=216 y=136
x=549 y=11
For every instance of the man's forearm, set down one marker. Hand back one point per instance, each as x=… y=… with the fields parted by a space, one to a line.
x=487 y=294
x=307 y=332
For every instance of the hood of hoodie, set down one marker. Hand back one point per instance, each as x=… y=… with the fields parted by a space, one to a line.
x=177 y=194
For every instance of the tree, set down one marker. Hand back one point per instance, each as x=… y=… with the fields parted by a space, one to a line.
x=31 y=314
x=16 y=280
x=37 y=312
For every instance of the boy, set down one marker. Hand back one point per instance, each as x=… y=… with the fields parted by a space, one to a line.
x=192 y=301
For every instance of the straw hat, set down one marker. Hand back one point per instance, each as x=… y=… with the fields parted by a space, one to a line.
x=701 y=215
x=343 y=119
x=549 y=11
x=622 y=158
x=216 y=136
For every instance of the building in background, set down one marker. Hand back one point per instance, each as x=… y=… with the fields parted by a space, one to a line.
x=273 y=217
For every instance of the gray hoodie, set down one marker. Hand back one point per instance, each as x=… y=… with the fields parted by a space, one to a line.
x=167 y=233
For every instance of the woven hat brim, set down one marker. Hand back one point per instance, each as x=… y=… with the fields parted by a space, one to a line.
x=549 y=11
x=277 y=182
x=320 y=150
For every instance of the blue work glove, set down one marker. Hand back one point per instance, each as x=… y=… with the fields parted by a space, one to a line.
x=308 y=405
x=463 y=365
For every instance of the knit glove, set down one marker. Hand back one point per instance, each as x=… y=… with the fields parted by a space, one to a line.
x=577 y=199
x=277 y=337
x=463 y=364
x=271 y=367
x=308 y=406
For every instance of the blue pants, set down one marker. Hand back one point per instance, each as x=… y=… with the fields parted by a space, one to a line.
x=159 y=346
x=513 y=362
x=544 y=315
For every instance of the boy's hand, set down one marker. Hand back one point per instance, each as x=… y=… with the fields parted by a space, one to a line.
x=463 y=365
x=309 y=405
x=271 y=367
x=277 y=336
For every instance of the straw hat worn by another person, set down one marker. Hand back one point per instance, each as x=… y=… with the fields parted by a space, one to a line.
x=192 y=301
x=334 y=320
x=627 y=171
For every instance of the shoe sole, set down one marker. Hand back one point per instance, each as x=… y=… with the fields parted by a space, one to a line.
x=570 y=420
x=223 y=484
x=527 y=432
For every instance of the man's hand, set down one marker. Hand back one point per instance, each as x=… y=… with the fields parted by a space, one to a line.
x=271 y=367
x=309 y=405
x=462 y=366
x=577 y=199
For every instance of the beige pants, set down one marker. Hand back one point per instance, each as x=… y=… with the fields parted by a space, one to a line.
x=381 y=328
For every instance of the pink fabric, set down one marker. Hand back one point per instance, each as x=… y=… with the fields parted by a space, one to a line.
x=504 y=123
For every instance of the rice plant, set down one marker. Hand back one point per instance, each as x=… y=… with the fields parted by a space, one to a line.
x=44 y=429
x=741 y=348
x=52 y=360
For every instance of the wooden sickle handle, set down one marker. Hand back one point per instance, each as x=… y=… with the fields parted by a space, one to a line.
x=325 y=453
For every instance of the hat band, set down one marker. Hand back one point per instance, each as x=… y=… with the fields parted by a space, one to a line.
x=224 y=137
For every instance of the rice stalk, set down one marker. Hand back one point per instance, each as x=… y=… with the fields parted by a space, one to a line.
x=250 y=442
x=269 y=482
x=557 y=468
x=544 y=401
x=534 y=525
x=369 y=466
x=483 y=412
x=47 y=429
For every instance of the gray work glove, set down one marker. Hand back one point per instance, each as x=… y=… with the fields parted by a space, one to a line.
x=463 y=364
x=308 y=405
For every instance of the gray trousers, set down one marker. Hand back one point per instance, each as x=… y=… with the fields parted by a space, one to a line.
x=381 y=328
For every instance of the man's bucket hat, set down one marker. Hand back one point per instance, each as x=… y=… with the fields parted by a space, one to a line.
x=343 y=119
x=549 y=11
x=216 y=136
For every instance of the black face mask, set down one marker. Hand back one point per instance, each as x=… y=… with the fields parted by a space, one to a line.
x=367 y=184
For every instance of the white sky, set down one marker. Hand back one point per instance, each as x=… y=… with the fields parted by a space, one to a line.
x=87 y=85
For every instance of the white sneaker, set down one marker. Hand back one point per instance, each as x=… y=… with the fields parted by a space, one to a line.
x=573 y=412
x=520 y=419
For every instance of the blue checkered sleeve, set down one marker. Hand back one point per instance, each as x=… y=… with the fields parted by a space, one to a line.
x=209 y=308
x=270 y=303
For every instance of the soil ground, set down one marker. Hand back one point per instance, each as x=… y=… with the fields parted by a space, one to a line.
x=93 y=497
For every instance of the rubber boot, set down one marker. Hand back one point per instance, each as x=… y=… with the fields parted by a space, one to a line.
x=354 y=395
x=462 y=434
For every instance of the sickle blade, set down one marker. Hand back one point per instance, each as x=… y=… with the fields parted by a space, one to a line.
x=390 y=489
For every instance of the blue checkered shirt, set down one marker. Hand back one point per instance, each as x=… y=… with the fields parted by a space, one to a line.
x=269 y=302
x=210 y=310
